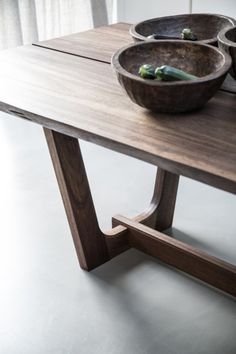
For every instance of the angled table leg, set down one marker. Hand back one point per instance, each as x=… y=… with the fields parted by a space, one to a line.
x=94 y=247
x=68 y=163
x=166 y=188
x=161 y=211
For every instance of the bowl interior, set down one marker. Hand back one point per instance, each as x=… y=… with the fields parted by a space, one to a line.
x=204 y=26
x=231 y=34
x=196 y=59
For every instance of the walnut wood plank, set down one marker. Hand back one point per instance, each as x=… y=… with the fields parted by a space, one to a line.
x=81 y=98
x=98 y=44
x=182 y=256
x=68 y=163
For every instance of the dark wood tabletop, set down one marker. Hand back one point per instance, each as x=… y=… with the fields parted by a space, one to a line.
x=82 y=98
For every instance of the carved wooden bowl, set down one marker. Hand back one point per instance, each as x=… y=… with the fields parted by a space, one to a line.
x=205 y=26
x=227 y=41
x=204 y=61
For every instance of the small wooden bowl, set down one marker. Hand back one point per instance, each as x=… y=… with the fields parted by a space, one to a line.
x=205 y=26
x=227 y=42
x=204 y=61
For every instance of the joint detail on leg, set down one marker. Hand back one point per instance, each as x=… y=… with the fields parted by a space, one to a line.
x=160 y=213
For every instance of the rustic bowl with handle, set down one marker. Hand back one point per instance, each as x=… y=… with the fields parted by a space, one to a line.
x=205 y=26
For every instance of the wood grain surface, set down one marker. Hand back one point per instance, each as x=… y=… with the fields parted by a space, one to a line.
x=81 y=98
x=98 y=44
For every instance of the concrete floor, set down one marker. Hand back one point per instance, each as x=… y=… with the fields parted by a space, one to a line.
x=131 y=305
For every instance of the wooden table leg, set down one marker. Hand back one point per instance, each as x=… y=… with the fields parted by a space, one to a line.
x=143 y=232
x=68 y=163
x=166 y=188
x=94 y=247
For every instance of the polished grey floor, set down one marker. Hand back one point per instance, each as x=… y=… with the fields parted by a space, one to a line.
x=131 y=305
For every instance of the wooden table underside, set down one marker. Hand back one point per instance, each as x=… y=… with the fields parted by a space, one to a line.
x=73 y=94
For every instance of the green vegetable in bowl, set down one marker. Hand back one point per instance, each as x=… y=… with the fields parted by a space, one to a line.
x=162 y=36
x=147 y=71
x=168 y=73
x=188 y=34
x=164 y=73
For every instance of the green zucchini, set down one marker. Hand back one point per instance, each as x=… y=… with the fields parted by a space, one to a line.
x=147 y=71
x=188 y=34
x=168 y=73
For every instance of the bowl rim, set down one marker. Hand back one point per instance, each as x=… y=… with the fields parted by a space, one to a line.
x=222 y=36
x=139 y=36
x=121 y=70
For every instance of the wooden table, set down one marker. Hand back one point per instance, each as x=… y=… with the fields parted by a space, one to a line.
x=67 y=86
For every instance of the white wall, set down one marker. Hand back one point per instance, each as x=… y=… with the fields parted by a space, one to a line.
x=138 y=10
x=224 y=7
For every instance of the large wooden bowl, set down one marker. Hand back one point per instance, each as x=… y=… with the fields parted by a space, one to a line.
x=204 y=61
x=227 y=42
x=205 y=26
